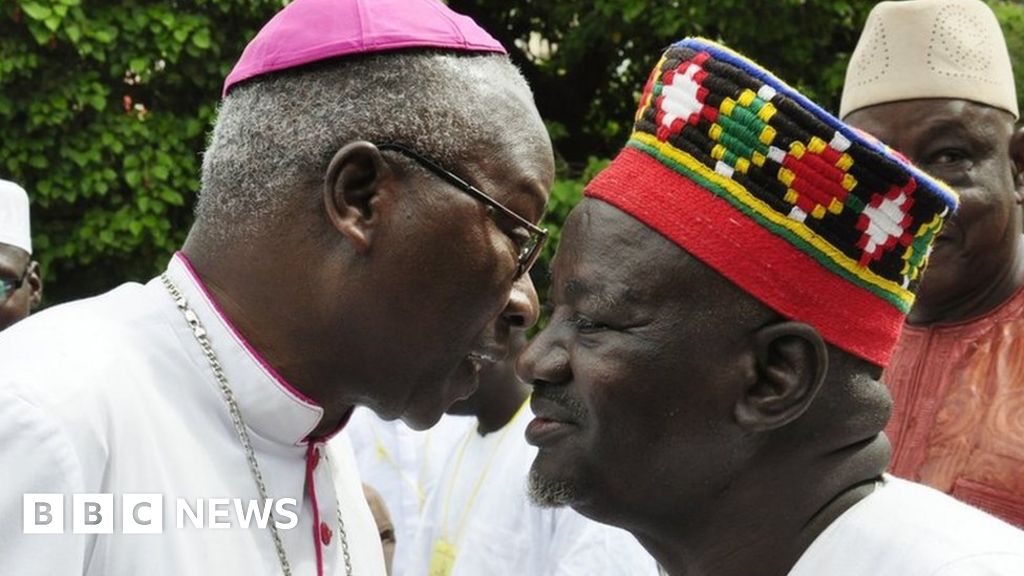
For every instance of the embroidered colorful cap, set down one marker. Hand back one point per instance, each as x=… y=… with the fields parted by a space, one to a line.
x=819 y=221
x=308 y=31
x=14 y=216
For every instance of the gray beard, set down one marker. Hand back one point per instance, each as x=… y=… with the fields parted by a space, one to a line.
x=548 y=493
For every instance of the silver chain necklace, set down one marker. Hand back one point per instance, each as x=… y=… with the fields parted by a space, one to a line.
x=243 y=435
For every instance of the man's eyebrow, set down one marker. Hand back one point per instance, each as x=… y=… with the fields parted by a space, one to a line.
x=950 y=128
x=578 y=289
x=536 y=200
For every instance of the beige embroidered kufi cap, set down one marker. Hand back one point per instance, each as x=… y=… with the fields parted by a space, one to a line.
x=930 y=49
x=14 y=225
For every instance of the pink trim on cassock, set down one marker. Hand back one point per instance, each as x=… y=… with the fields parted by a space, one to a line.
x=316 y=509
x=241 y=339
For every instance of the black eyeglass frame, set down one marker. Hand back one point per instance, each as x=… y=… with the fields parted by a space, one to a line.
x=530 y=250
x=12 y=286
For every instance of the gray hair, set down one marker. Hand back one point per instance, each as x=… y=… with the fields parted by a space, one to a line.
x=275 y=136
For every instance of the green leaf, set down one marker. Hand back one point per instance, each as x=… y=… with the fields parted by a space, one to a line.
x=201 y=39
x=36 y=11
x=52 y=23
x=97 y=101
x=139 y=65
x=74 y=32
x=133 y=178
x=105 y=35
x=173 y=198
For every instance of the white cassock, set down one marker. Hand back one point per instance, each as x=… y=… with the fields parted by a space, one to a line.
x=479 y=520
x=113 y=395
x=403 y=465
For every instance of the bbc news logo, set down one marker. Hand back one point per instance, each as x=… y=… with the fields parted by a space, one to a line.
x=144 y=513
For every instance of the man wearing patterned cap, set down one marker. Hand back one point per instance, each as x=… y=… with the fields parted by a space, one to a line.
x=363 y=234
x=932 y=79
x=724 y=299
x=21 y=288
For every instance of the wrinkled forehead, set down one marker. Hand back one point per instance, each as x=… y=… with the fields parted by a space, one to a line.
x=926 y=118
x=607 y=252
x=603 y=245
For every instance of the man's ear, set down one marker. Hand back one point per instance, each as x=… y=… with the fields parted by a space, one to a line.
x=792 y=360
x=35 y=284
x=1017 y=162
x=353 y=184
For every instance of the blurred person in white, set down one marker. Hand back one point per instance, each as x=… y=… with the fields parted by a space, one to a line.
x=21 y=287
x=479 y=519
x=402 y=465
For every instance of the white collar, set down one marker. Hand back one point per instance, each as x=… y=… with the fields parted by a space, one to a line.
x=271 y=408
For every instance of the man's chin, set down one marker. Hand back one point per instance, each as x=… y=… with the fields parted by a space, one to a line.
x=429 y=403
x=421 y=422
x=548 y=492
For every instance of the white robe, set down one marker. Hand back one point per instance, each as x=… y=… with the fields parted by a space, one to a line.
x=906 y=529
x=403 y=465
x=504 y=533
x=113 y=395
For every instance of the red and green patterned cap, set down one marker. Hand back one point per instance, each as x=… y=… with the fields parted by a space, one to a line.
x=820 y=221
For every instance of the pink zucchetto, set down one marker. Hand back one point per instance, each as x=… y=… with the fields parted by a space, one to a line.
x=308 y=31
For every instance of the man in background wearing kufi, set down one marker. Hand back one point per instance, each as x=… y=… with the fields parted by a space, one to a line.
x=932 y=79
x=21 y=287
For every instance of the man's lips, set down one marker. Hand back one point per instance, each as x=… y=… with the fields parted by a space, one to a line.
x=488 y=353
x=551 y=422
x=548 y=409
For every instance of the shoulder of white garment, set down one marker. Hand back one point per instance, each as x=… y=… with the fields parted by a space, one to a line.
x=906 y=528
x=61 y=369
x=70 y=352
x=36 y=457
x=74 y=362
x=581 y=546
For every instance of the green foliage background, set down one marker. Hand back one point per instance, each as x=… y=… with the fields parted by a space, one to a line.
x=105 y=105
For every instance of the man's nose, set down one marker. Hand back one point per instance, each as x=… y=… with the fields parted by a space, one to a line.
x=545 y=360
x=522 y=309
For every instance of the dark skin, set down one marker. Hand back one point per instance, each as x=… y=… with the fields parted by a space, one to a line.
x=674 y=405
x=13 y=262
x=501 y=393
x=978 y=260
x=407 y=283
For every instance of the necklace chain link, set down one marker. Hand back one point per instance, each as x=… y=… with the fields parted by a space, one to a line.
x=243 y=435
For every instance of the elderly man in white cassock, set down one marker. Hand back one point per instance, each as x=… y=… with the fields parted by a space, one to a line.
x=367 y=219
x=21 y=287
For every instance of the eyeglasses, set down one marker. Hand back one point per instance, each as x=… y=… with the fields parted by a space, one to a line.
x=529 y=249
x=11 y=285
